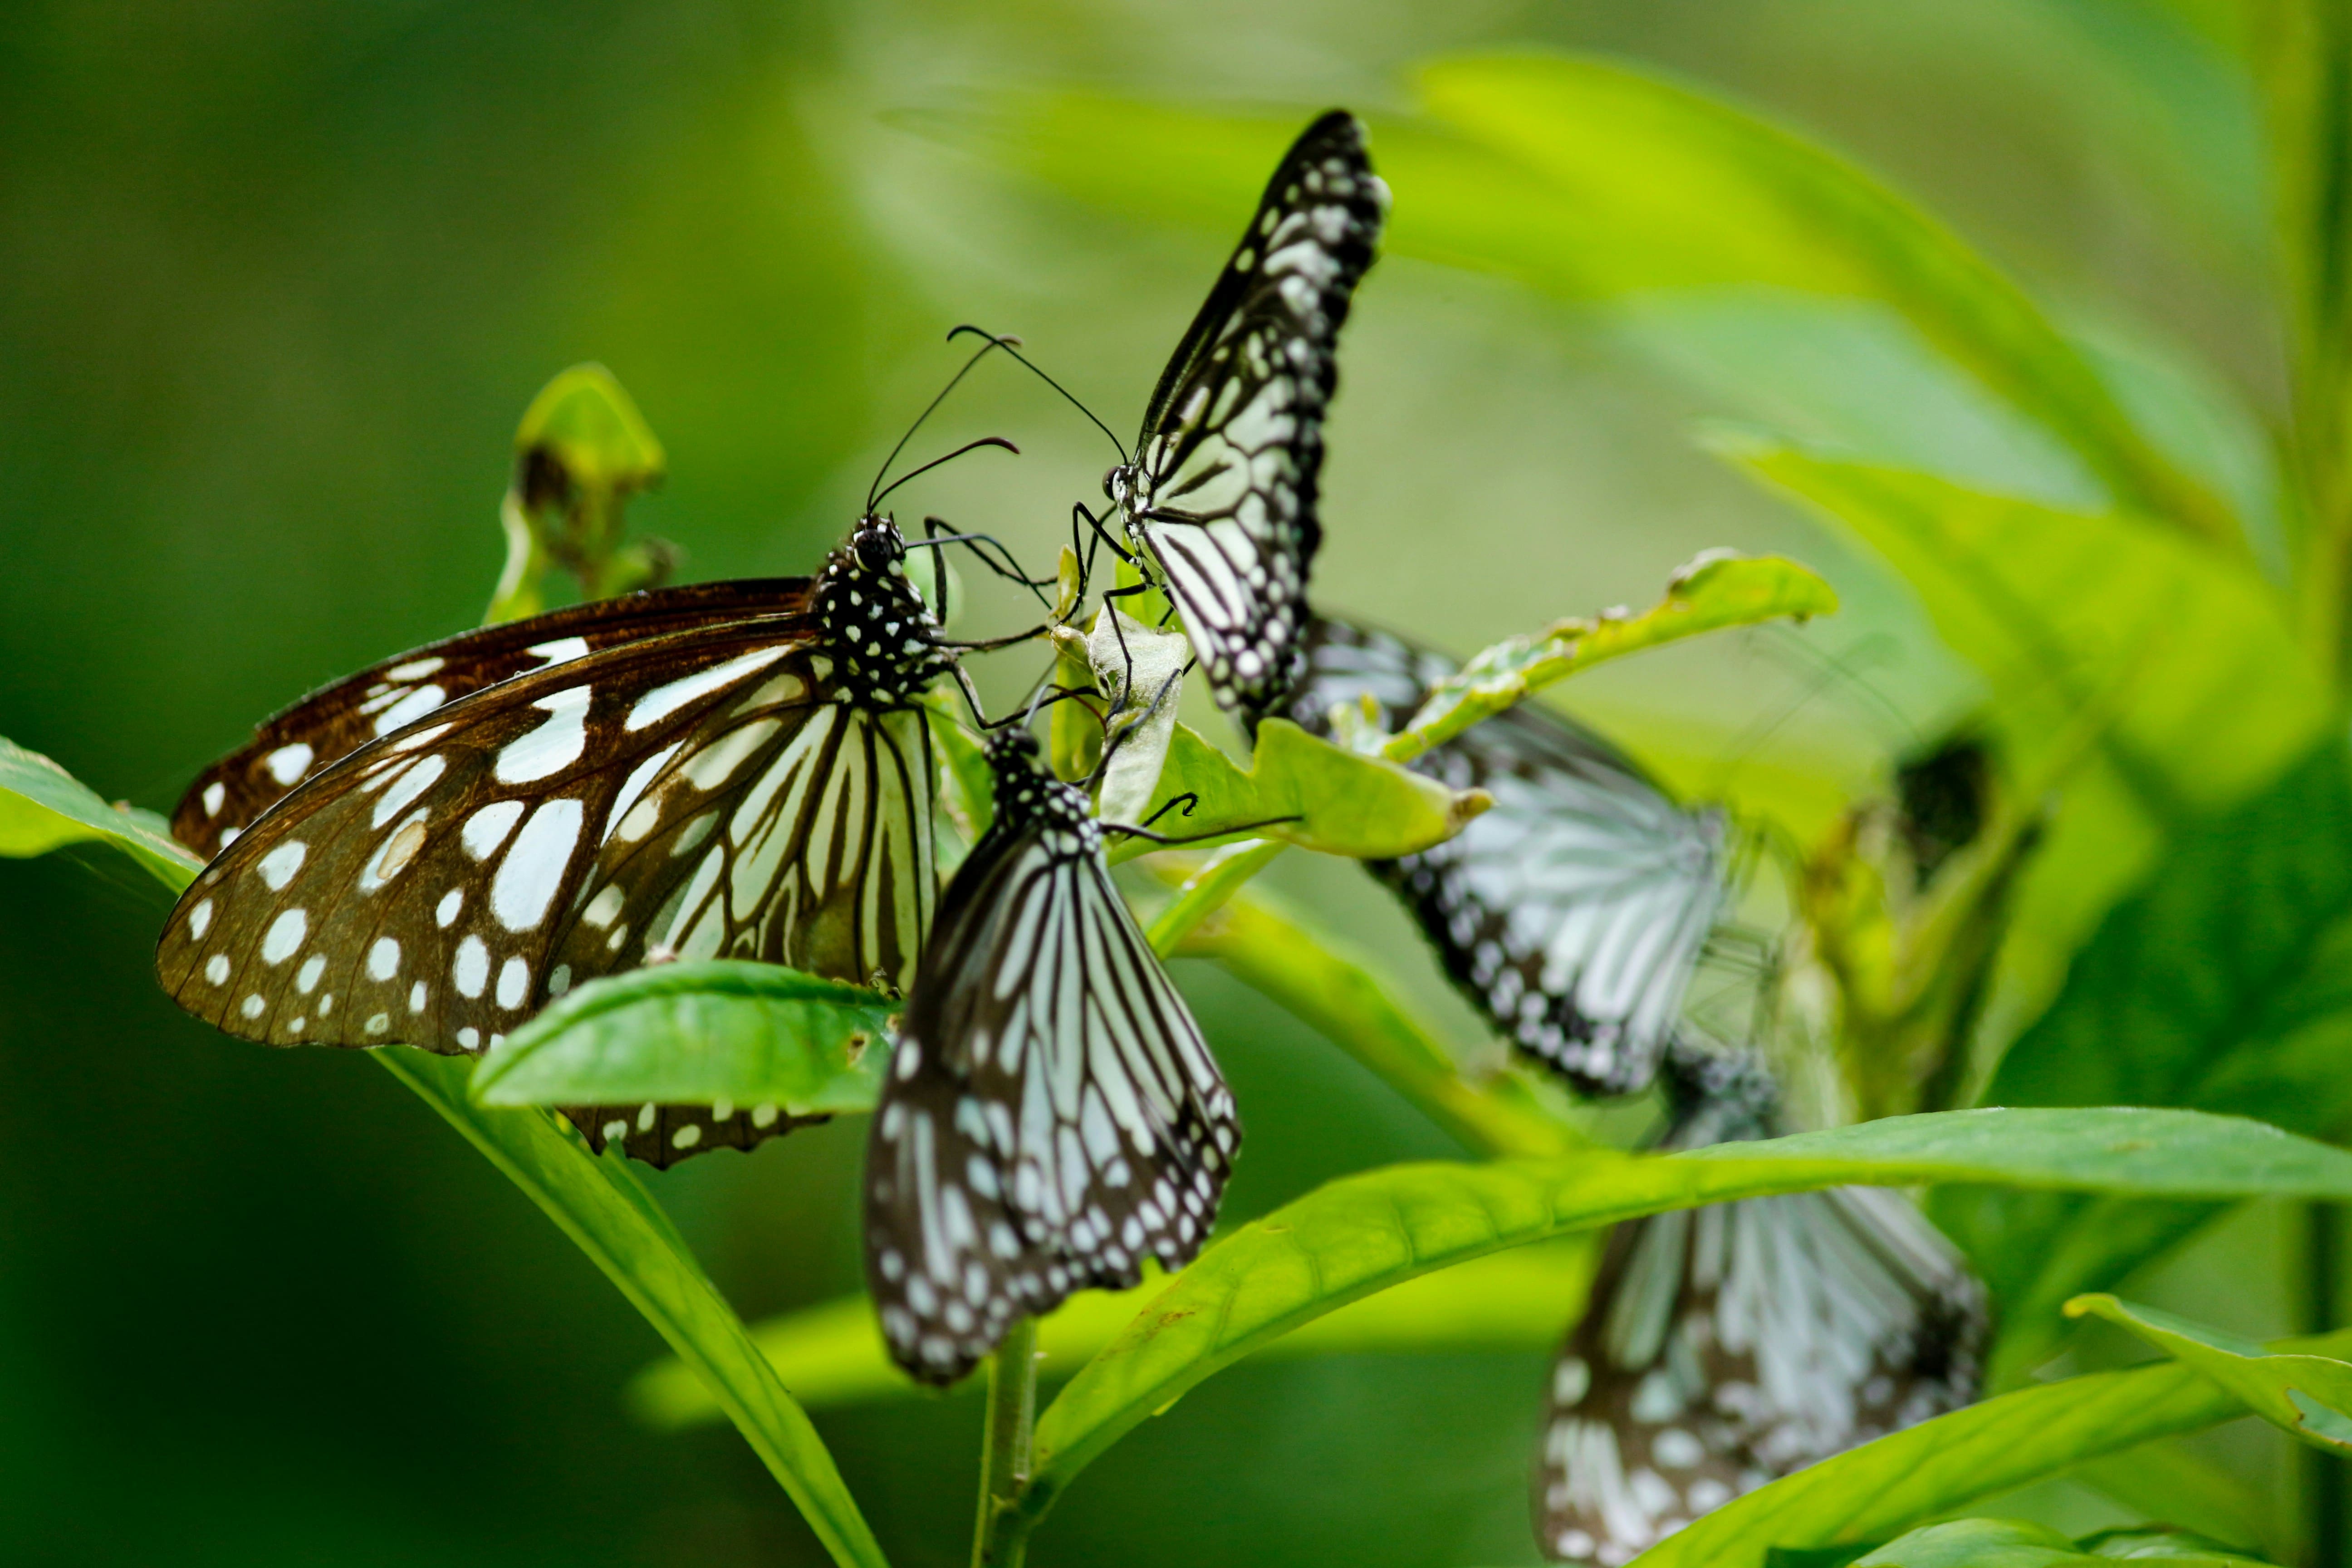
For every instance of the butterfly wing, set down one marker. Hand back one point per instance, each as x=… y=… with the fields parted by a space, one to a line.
x=335 y=720
x=1573 y=911
x=1052 y=1115
x=1222 y=489
x=1727 y=1346
x=691 y=795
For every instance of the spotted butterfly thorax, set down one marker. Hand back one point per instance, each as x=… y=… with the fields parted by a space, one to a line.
x=1724 y=1347
x=1573 y=913
x=1219 y=496
x=738 y=771
x=1051 y=1116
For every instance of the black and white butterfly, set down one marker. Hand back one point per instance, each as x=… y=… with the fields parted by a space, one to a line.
x=430 y=851
x=1219 y=498
x=1051 y=1116
x=1727 y=1346
x=1574 y=911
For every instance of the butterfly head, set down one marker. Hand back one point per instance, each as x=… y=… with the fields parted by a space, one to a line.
x=1026 y=794
x=882 y=636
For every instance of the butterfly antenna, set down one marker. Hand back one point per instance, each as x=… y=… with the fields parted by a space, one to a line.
x=1828 y=669
x=1008 y=343
x=872 y=499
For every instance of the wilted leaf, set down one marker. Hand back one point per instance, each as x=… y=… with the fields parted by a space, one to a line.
x=581 y=451
x=1363 y=1234
x=694 y=1033
x=1139 y=670
x=1303 y=790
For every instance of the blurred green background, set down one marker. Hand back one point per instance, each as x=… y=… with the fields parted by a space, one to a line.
x=276 y=281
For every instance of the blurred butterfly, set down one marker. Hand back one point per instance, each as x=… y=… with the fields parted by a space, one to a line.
x=1219 y=498
x=1943 y=797
x=1573 y=913
x=1051 y=1116
x=430 y=850
x=1727 y=1346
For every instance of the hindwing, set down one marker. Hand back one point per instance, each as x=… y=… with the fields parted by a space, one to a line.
x=1727 y=1346
x=1571 y=912
x=1052 y=1115
x=1222 y=489
x=330 y=723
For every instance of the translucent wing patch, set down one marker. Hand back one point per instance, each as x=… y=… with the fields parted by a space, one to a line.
x=1051 y=1116
x=1222 y=492
x=327 y=726
x=1573 y=911
x=1727 y=1346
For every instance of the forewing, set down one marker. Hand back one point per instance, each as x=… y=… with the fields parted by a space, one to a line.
x=1232 y=447
x=1053 y=1116
x=1727 y=1346
x=443 y=883
x=332 y=722
x=1573 y=911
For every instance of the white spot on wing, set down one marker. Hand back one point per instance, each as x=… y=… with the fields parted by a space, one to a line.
x=415 y=669
x=553 y=746
x=286 y=764
x=664 y=701
x=420 y=776
x=470 y=969
x=384 y=958
x=284 y=938
x=534 y=867
x=277 y=867
x=410 y=709
x=488 y=828
x=214 y=793
x=561 y=649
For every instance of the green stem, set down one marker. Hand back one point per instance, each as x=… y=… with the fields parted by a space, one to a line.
x=2322 y=1477
x=1000 y=1538
x=1207 y=890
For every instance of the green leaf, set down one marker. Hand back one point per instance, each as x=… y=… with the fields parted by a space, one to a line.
x=1672 y=189
x=1975 y=1544
x=832 y=1353
x=1303 y=791
x=1338 y=992
x=2015 y=1543
x=2306 y=1396
x=2225 y=985
x=2213 y=696
x=581 y=451
x=694 y=1034
x=43 y=807
x=2161 y=1543
x=599 y=1204
x=596 y=1203
x=1362 y=1234
x=1923 y=1473
x=1591 y=180
x=1716 y=590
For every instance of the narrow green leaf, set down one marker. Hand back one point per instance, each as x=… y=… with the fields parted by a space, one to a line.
x=832 y=1353
x=2161 y=1543
x=2016 y=1543
x=1303 y=791
x=2213 y=697
x=599 y=1204
x=1338 y=992
x=596 y=1203
x=1976 y=1544
x=1678 y=190
x=2306 y=1396
x=1907 y=1479
x=694 y=1034
x=1362 y=1234
x=2225 y=985
x=1588 y=180
x=1716 y=590
x=43 y=807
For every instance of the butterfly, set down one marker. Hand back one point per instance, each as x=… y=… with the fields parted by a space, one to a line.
x=1051 y=1116
x=1573 y=911
x=1943 y=797
x=1219 y=498
x=1727 y=1346
x=430 y=851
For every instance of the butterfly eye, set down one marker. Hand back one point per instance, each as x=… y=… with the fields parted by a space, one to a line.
x=1111 y=481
